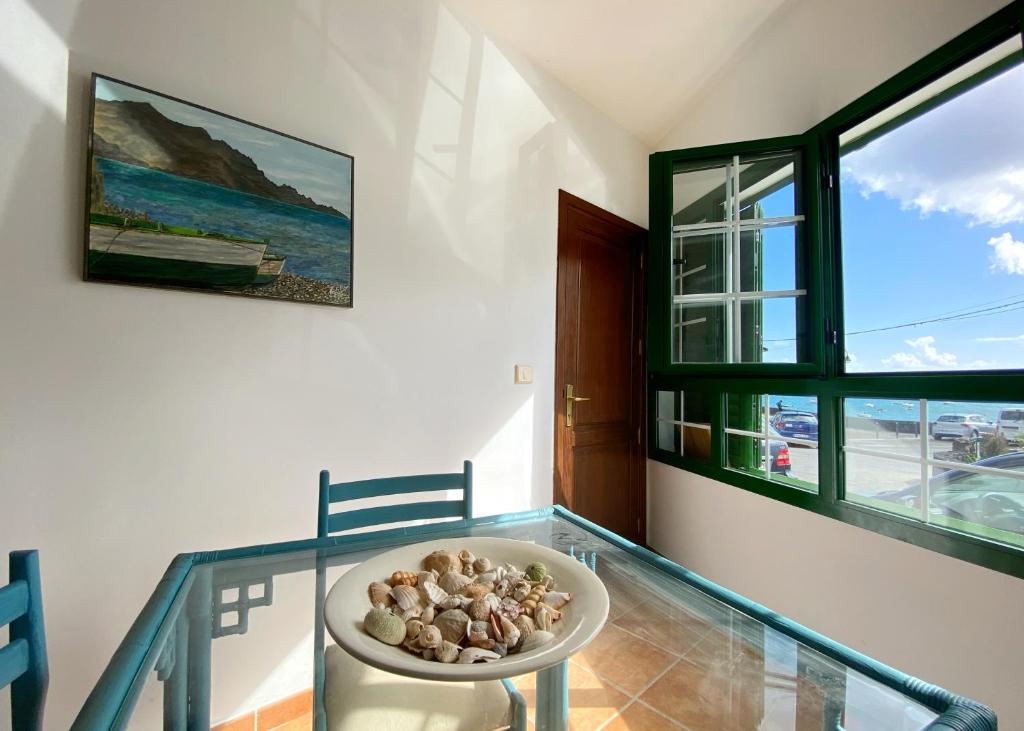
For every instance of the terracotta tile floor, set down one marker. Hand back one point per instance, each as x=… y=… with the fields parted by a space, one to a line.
x=294 y=713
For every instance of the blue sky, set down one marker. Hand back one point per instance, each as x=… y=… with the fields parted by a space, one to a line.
x=323 y=176
x=932 y=225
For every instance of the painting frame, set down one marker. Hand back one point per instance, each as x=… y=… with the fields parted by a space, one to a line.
x=332 y=294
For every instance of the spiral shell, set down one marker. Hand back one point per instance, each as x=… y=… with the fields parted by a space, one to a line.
x=476 y=654
x=482 y=564
x=536 y=571
x=429 y=637
x=442 y=561
x=403 y=578
x=454 y=582
x=536 y=640
x=382 y=624
x=510 y=634
x=447 y=652
x=452 y=624
x=413 y=628
x=548 y=581
x=509 y=607
x=533 y=598
x=379 y=593
x=406 y=597
x=466 y=556
x=521 y=590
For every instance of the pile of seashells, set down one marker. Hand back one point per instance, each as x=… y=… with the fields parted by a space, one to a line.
x=464 y=609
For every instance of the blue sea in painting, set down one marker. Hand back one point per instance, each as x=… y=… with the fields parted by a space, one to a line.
x=316 y=244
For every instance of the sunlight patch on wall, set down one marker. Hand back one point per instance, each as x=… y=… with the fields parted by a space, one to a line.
x=503 y=467
x=35 y=56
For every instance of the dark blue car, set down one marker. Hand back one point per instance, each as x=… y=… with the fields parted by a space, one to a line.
x=796 y=425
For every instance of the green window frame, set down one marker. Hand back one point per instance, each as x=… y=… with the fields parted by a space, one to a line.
x=822 y=372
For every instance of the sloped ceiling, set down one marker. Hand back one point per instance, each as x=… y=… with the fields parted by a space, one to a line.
x=638 y=61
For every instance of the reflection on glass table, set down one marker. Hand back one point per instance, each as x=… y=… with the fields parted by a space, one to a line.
x=234 y=639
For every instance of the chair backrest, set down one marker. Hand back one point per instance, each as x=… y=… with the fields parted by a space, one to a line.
x=328 y=523
x=23 y=663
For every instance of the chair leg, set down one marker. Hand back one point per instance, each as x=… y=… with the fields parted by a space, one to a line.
x=319 y=713
x=517 y=720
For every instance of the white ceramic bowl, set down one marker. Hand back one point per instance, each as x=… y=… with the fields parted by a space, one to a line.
x=582 y=619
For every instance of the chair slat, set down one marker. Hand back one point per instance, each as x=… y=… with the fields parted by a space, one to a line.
x=13 y=602
x=395 y=486
x=395 y=514
x=13 y=662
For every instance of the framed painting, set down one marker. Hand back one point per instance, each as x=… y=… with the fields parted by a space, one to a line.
x=181 y=196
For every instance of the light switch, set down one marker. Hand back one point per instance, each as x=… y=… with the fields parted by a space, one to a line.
x=524 y=374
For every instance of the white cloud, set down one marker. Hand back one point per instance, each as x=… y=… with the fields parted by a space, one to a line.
x=1001 y=339
x=964 y=157
x=1008 y=254
x=905 y=361
x=925 y=356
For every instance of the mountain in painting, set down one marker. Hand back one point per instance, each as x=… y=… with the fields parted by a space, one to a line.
x=137 y=134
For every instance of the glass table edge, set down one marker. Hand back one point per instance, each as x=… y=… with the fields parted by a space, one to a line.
x=112 y=700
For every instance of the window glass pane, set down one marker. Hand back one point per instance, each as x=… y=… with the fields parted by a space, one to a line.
x=666 y=415
x=789 y=426
x=964 y=472
x=736 y=244
x=932 y=212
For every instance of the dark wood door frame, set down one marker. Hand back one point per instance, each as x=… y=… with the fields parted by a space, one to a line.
x=566 y=348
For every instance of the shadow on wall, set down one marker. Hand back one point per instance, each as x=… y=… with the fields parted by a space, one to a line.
x=167 y=421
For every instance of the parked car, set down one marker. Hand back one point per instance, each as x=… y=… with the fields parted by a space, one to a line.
x=1010 y=424
x=956 y=426
x=996 y=501
x=796 y=424
x=780 y=457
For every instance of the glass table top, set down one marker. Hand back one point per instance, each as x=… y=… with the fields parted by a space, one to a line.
x=668 y=657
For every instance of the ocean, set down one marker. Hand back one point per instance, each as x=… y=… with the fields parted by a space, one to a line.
x=899 y=409
x=316 y=244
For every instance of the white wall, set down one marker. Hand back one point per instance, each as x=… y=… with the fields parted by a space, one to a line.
x=136 y=423
x=944 y=620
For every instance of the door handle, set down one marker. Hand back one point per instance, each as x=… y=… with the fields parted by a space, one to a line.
x=570 y=399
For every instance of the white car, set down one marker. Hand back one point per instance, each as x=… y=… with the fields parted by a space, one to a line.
x=957 y=426
x=1010 y=424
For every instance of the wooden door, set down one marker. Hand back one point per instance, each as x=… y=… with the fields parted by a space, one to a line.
x=599 y=457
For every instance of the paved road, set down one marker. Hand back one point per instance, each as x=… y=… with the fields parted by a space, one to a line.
x=867 y=475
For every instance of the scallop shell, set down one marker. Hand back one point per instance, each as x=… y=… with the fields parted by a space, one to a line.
x=536 y=640
x=536 y=570
x=474 y=654
x=428 y=615
x=413 y=628
x=452 y=624
x=442 y=561
x=432 y=593
x=379 y=593
x=447 y=652
x=382 y=624
x=403 y=578
x=482 y=564
x=557 y=599
x=429 y=637
x=406 y=597
x=454 y=582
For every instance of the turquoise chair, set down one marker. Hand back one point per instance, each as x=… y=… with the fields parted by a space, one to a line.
x=328 y=523
x=352 y=682
x=23 y=663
